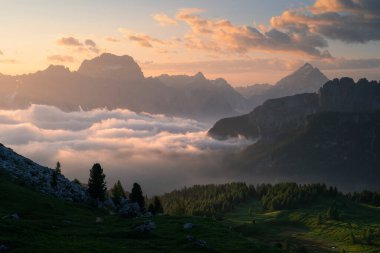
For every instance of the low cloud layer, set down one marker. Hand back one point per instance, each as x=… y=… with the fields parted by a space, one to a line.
x=159 y=152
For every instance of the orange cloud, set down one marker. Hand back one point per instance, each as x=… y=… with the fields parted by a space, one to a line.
x=352 y=21
x=222 y=36
x=142 y=39
x=112 y=39
x=164 y=20
x=87 y=46
x=69 y=41
x=60 y=58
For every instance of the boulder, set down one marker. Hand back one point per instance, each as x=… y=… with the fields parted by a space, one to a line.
x=188 y=226
x=130 y=210
x=3 y=248
x=147 y=226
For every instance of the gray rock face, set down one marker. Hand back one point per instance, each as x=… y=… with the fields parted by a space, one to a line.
x=38 y=177
x=271 y=119
x=345 y=95
x=280 y=115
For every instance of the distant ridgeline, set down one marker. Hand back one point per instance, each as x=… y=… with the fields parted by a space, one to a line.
x=332 y=136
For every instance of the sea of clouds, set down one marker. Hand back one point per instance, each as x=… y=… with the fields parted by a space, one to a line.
x=159 y=152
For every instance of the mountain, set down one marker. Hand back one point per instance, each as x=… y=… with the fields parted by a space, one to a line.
x=107 y=66
x=202 y=95
x=306 y=79
x=253 y=90
x=329 y=136
x=117 y=82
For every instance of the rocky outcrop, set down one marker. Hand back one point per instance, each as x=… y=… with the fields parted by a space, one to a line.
x=40 y=178
x=277 y=117
x=345 y=95
x=273 y=118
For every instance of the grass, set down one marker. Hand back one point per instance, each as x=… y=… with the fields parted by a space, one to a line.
x=49 y=225
x=302 y=227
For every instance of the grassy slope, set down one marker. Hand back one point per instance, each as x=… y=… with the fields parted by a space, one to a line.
x=301 y=226
x=50 y=225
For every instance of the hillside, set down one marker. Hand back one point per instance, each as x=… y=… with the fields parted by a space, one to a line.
x=46 y=224
x=310 y=227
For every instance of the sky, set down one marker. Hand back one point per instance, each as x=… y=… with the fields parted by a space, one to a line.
x=243 y=41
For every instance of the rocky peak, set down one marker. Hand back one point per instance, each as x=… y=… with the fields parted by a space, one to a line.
x=56 y=70
x=199 y=77
x=111 y=66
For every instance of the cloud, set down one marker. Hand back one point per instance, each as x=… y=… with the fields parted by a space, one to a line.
x=87 y=46
x=9 y=61
x=350 y=64
x=351 y=21
x=142 y=39
x=60 y=58
x=160 y=152
x=164 y=20
x=112 y=39
x=223 y=67
x=69 y=41
x=222 y=36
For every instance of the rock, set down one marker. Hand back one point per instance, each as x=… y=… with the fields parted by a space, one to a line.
x=99 y=220
x=147 y=226
x=124 y=201
x=14 y=217
x=38 y=177
x=148 y=214
x=67 y=222
x=201 y=243
x=130 y=210
x=109 y=204
x=3 y=248
x=188 y=226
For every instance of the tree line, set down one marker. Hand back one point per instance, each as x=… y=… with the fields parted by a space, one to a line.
x=97 y=190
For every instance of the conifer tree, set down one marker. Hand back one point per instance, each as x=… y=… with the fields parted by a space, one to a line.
x=117 y=192
x=96 y=183
x=137 y=196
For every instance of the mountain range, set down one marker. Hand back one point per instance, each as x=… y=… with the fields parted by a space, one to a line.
x=118 y=82
x=330 y=136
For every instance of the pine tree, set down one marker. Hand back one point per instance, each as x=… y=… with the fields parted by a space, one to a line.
x=117 y=192
x=137 y=196
x=157 y=205
x=58 y=168
x=96 y=183
x=56 y=172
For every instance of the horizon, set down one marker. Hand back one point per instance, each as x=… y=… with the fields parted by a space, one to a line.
x=268 y=40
